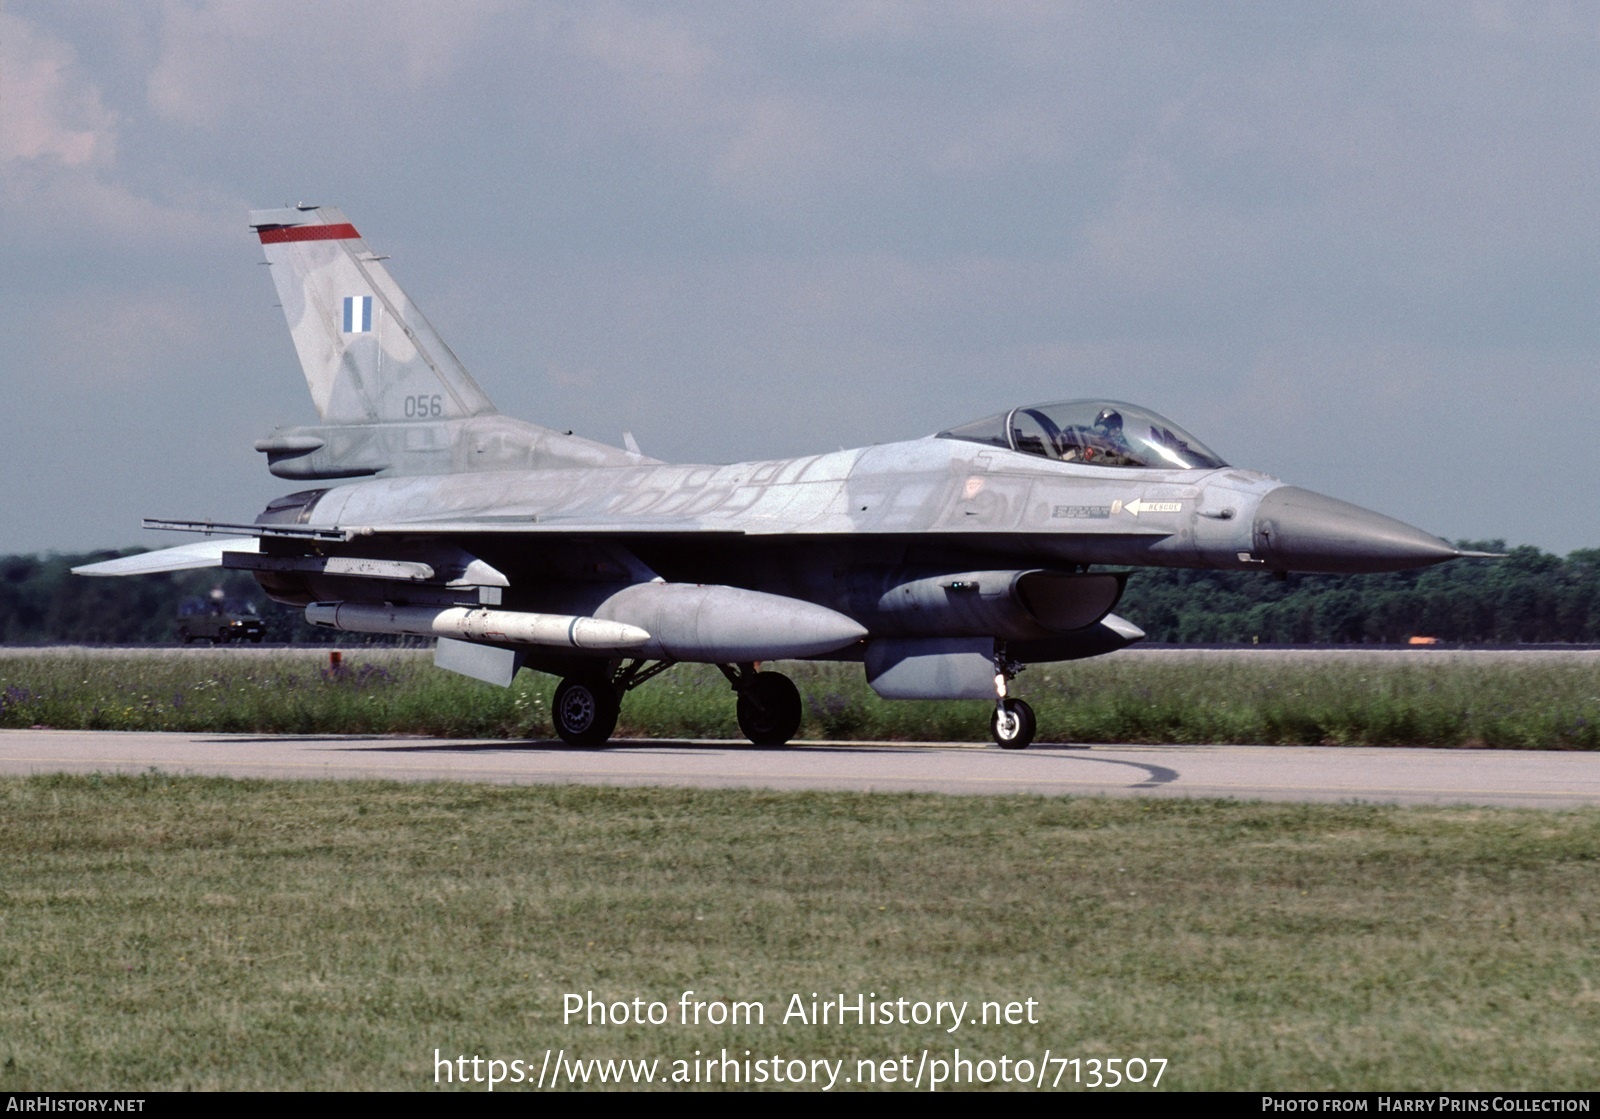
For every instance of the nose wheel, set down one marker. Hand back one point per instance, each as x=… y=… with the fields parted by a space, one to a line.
x=1013 y=724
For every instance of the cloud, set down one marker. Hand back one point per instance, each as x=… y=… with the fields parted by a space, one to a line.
x=229 y=57
x=62 y=158
x=51 y=114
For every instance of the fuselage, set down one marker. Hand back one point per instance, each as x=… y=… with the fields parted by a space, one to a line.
x=928 y=497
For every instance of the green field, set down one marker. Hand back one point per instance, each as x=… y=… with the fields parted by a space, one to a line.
x=203 y=933
x=1426 y=699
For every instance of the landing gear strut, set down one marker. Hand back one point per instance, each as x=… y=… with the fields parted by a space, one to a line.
x=585 y=707
x=1013 y=724
x=769 y=707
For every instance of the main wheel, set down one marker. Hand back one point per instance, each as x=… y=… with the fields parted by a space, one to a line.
x=584 y=710
x=1013 y=724
x=769 y=709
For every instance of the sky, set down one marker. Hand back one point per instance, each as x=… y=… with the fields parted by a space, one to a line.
x=1352 y=245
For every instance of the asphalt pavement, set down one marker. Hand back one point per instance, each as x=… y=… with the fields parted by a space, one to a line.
x=1530 y=778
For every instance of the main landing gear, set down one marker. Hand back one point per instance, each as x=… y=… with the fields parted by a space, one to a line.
x=585 y=707
x=585 y=710
x=1013 y=724
x=769 y=707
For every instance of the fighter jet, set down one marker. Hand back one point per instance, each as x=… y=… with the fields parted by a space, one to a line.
x=943 y=565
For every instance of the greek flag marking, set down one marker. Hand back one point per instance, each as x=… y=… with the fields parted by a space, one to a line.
x=357 y=314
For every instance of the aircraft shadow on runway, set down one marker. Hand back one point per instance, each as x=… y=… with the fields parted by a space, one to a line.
x=1158 y=774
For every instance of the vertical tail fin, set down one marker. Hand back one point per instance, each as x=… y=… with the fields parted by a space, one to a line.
x=368 y=354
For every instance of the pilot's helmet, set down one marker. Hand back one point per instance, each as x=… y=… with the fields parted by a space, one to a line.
x=1109 y=421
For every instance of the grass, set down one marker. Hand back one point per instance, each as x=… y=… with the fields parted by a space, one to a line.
x=173 y=933
x=1537 y=703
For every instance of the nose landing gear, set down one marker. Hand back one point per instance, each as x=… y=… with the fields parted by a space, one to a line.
x=1013 y=724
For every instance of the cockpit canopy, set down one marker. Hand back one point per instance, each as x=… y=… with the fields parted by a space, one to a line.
x=1092 y=432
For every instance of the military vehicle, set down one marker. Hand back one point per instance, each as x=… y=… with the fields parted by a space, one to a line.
x=218 y=619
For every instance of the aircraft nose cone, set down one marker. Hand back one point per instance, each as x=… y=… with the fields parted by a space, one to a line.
x=1299 y=530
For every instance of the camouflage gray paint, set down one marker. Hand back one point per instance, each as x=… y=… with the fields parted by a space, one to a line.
x=944 y=564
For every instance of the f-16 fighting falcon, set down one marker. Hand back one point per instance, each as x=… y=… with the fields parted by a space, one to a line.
x=943 y=565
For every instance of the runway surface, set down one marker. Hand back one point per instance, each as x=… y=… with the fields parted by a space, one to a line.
x=1544 y=779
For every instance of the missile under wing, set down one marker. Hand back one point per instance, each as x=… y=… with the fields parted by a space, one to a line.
x=943 y=565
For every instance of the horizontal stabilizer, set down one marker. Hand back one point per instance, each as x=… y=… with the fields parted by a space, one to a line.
x=211 y=528
x=185 y=557
x=465 y=526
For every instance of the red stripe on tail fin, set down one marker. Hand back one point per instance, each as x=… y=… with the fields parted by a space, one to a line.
x=308 y=233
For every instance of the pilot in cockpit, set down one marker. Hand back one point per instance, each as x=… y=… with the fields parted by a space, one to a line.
x=1108 y=424
x=1109 y=446
x=1094 y=433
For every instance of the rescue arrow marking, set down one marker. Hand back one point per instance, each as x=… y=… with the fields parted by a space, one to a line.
x=1140 y=505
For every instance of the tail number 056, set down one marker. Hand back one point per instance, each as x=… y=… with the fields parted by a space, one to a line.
x=424 y=407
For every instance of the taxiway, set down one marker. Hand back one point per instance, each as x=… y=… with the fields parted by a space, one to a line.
x=1528 y=778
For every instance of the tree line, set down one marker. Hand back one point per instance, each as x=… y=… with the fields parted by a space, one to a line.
x=1528 y=597
x=43 y=603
